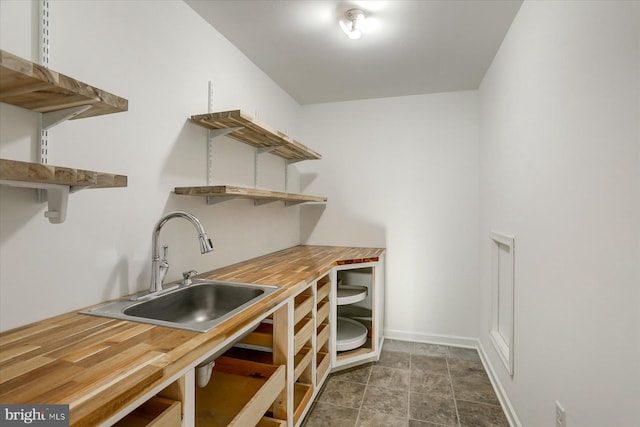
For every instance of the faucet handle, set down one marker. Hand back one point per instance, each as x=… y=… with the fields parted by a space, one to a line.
x=186 y=277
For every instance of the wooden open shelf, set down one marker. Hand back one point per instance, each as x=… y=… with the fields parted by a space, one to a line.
x=323 y=311
x=271 y=422
x=301 y=362
x=323 y=290
x=301 y=397
x=245 y=128
x=261 y=337
x=302 y=333
x=322 y=366
x=228 y=192
x=58 y=97
x=303 y=306
x=367 y=348
x=322 y=336
x=239 y=394
x=157 y=411
x=31 y=86
x=250 y=355
x=59 y=182
x=34 y=175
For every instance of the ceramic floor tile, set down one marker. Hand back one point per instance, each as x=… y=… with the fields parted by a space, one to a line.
x=466 y=368
x=474 y=389
x=326 y=414
x=394 y=359
x=480 y=415
x=435 y=409
x=464 y=353
x=412 y=385
x=434 y=350
x=342 y=393
x=358 y=374
x=378 y=419
x=391 y=378
x=428 y=383
x=397 y=346
x=436 y=365
x=392 y=402
x=417 y=423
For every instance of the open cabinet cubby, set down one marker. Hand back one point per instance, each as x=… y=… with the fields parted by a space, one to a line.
x=358 y=314
x=240 y=393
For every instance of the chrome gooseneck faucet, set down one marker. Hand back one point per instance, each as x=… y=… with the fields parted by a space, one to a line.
x=159 y=268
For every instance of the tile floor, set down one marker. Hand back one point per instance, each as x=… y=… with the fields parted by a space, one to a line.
x=413 y=385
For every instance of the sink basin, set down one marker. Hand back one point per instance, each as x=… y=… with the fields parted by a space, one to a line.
x=198 y=307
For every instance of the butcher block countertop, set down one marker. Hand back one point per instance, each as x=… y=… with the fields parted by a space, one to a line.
x=98 y=366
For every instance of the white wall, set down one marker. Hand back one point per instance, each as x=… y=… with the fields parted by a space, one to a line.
x=558 y=160
x=160 y=56
x=402 y=173
x=560 y=171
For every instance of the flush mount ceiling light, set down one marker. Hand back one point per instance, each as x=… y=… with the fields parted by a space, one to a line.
x=353 y=24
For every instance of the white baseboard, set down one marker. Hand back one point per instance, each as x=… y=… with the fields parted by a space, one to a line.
x=465 y=342
x=452 y=340
x=507 y=407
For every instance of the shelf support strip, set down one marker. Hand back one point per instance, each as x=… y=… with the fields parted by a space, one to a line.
x=43 y=48
x=210 y=136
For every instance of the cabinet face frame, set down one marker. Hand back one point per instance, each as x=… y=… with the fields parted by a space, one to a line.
x=322 y=342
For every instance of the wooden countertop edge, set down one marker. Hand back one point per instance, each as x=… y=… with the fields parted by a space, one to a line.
x=102 y=405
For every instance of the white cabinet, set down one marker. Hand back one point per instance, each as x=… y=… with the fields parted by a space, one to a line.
x=357 y=299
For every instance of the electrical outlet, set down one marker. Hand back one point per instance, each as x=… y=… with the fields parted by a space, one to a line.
x=561 y=415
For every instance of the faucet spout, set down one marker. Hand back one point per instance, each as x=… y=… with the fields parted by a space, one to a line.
x=205 y=246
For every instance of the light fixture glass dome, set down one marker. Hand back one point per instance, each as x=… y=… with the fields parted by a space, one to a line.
x=353 y=25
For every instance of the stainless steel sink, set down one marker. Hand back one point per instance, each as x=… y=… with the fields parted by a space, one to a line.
x=198 y=307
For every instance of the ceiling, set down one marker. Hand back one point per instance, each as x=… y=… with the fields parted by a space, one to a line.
x=408 y=47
